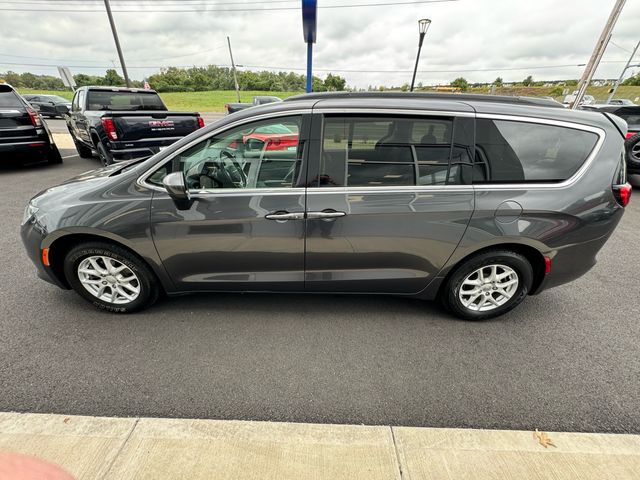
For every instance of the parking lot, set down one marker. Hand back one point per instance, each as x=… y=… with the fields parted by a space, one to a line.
x=564 y=360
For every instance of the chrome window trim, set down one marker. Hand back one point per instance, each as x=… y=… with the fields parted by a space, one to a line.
x=141 y=181
x=391 y=111
x=239 y=192
x=400 y=189
x=397 y=189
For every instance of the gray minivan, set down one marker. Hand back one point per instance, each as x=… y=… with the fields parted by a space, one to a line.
x=476 y=200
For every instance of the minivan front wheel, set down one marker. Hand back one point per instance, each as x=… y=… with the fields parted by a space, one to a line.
x=488 y=285
x=110 y=277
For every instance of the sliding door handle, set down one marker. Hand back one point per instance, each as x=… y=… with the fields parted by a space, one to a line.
x=325 y=215
x=284 y=216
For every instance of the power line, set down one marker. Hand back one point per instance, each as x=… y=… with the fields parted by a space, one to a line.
x=268 y=67
x=356 y=5
x=94 y=61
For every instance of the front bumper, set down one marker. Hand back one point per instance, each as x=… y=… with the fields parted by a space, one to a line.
x=33 y=234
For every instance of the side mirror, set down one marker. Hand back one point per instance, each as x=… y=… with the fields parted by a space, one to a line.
x=176 y=188
x=62 y=109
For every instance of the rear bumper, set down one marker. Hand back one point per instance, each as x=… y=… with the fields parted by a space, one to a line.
x=139 y=149
x=35 y=144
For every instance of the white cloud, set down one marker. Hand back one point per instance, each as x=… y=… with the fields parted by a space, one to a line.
x=464 y=35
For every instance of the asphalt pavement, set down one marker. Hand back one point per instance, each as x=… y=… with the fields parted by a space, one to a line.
x=566 y=360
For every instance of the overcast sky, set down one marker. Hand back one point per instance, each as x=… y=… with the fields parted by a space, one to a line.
x=481 y=35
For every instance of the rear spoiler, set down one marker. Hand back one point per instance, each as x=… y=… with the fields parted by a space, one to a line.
x=617 y=122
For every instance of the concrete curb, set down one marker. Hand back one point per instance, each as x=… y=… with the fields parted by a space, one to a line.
x=141 y=448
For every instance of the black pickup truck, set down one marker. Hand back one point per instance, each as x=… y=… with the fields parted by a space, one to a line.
x=125 y=123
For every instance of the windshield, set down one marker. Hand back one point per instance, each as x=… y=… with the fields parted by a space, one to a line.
x=122 y=100
x=56 y=98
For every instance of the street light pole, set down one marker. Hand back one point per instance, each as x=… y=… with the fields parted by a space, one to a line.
x=423 y=26
x=115 y=37
x=626 y=67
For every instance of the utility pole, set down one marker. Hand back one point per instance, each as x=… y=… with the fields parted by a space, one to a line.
x=626 y=67
x=598 y=51
x=115 y=38
x=233 y=68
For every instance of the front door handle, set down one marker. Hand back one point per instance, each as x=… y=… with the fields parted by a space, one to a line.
x=284 y=216
x=326 y=214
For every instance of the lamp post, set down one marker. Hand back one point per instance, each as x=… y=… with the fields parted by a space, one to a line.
x=423 y=26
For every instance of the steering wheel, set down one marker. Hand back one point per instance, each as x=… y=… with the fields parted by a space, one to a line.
x=233 y=169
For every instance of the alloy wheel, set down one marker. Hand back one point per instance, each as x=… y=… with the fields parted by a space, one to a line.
x=108 y=280
x=488 y=287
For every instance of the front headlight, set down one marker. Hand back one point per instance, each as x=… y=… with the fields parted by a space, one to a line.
x=29 y=212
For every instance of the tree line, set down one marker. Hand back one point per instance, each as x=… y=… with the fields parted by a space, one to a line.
x=195 y=79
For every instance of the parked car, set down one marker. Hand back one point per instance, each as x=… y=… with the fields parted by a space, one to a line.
x=631 y=115
x=257 y=100
x=479 y=201
x=23 y=134
x=621 y=101
x=125 y=123
x=586 y=99
x=48 y=105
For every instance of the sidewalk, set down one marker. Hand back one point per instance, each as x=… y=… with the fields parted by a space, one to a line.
x=147 y=448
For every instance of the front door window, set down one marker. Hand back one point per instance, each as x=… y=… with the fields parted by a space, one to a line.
x=264 y=154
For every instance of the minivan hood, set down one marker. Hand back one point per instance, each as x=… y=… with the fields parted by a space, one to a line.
x=71 y=190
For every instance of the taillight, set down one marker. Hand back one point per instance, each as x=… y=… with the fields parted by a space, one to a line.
x=200 y=122
x=622 y=194
x=630 y=134
x=35 y=118
x=109 y=128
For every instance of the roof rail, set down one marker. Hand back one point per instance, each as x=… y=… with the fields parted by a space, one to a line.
x=471 y=97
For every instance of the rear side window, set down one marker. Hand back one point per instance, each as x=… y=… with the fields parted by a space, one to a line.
x=392 y=151
x=122 y=100
x=517 y=152
x=8 y=99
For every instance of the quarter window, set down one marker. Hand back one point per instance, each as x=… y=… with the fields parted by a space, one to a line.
x=264 y=154
x=391 y=151
x=516 y=152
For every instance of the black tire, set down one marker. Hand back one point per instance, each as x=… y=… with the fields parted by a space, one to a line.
x=53 y=156
x=148 y=285
x=451 y=289
x=630 y=144
x=105 y=155
x=83 y=151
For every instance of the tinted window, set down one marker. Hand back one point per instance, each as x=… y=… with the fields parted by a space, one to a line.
x=262 y=154
x=508 y=151
x=390 y=151
x=121 y=100
x=10 y=99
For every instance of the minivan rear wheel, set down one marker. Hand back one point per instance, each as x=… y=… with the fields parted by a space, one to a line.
x=488 y=285
x=110 y=277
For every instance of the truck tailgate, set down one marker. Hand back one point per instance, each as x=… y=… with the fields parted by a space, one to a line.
x=141 y=125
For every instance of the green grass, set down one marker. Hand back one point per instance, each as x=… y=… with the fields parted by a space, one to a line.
x=211 y=101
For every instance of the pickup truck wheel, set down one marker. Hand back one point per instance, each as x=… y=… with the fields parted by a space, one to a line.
x=105 y=156
x=84 y=152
